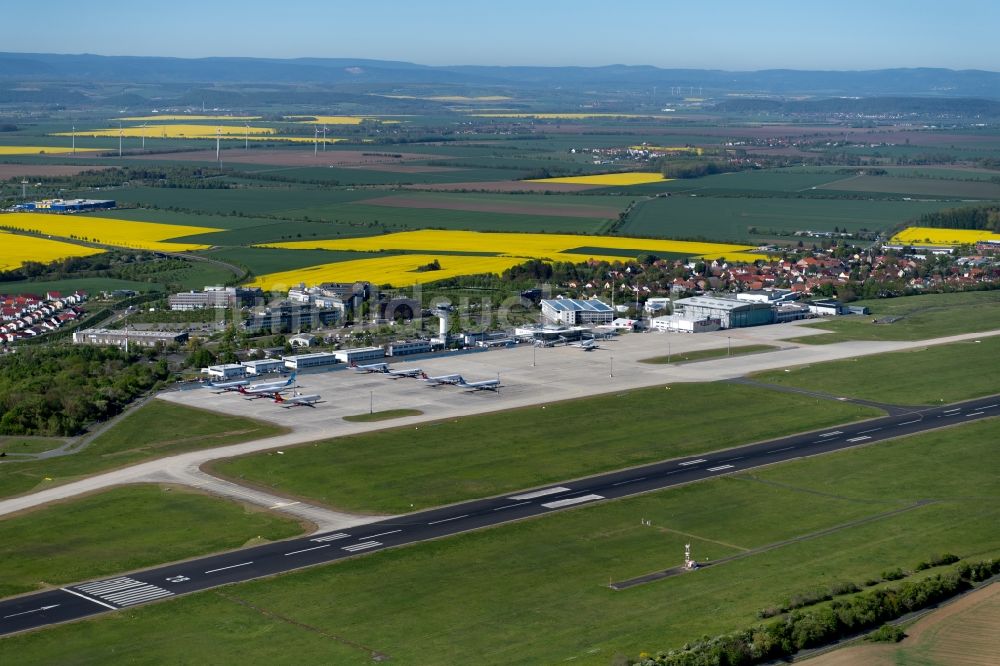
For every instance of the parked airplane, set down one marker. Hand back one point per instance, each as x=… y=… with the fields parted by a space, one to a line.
x=297 y=400
x=484 y=385
x=372 y=367
x=406 y=372
x=442 y=379
x=228 y=386
x=267 y=387
x=587 y=345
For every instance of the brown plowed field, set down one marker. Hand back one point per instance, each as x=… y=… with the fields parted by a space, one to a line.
x=292 y=158
x=556 y=210
x=503 y=186
x=964 y=633
x=20 y=170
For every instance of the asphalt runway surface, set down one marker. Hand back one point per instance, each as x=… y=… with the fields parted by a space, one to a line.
x=85 y=599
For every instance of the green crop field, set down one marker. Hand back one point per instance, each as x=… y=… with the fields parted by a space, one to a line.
x=156 y=429
x=110 y=532
x=921 y=187
x=535 y=592
x=263 y=260
x=393 y=470
x=924 y=376
x=92 y=286
x=918 y=317
x=731 y=219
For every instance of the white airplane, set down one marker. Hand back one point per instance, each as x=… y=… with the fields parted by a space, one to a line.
x=228 y=386
x=450 y=380
x=406 y=372
x=267 y=387
x=297 y=400
x=484 y=385
x=372 y=367
x=587 y=345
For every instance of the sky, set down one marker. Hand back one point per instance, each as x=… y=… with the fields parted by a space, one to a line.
x=711 y=34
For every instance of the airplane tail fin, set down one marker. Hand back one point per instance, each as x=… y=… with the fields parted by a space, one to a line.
x=423 y=375
x=291 y=380
x=241 y=390
x=278 y=398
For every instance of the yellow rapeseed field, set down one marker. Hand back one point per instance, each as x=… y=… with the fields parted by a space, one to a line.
x=36 y=150
x=335 y=120
x=16 y=249
x=627 y=178
x=399 y=270
x=184 y=116
x=512 y=249
x=935 y=236
x=108 y=231
x=174 y=131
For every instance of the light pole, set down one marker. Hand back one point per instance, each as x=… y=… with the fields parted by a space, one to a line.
x=668 y=351
x=729 y=342
x=533 y=348
x=371 y=402
x=612 y=373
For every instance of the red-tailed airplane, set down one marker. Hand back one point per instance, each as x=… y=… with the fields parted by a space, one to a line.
x=297 y=400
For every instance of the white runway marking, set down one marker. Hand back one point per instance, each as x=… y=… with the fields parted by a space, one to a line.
x=34 y=610
x=305 y=550
x=573 y=500
x=974 y=414
x=859 y=439
x=732 y=459
x=691 y=462
x=910 y=422
x=435 y=522
x=378 y=535
x=622 y=483
x=787 y=448
x=83 y=596
x=831 y=434
x=331 y=537
x=123 y=591
x=721 y=467
x=231 y=566
x=353 y=548
x=539 y=493
x=872 y=430
x=510 y=506
x=988 y=407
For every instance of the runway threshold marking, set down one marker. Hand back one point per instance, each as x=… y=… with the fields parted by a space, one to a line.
x=304 y=550
x=435 y=522
x=231 y=566
x=859 y=439
x=331 y=537
x=84 y=596
x=572 y=500
x=831 y=434
x=355 y=547
x=539 y=493
x=124 y=591
x=692 y=462
x=719 y=468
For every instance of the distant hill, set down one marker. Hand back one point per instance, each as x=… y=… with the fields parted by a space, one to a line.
x=159 y=70
x=938 y=106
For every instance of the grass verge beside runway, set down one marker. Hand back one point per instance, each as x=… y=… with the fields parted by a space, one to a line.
x=156 y=429
x=924 y=376
x=536 y=591
x=917 y=318
x=124 y=529
x=383 y=415
x=431 y=464
x=705 y=354
x=29 y=444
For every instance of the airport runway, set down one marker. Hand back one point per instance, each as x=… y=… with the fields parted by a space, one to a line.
x=110 y=594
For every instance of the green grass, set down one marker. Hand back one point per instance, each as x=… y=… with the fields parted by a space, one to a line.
x=930 y=375
x=922 y=317
x=534 y=592
x=156 y=429
x=263 y=260
x=113 y=531
x=383 y=415
x=29 y=444
x=438 y=463
x=705 y=354
x=731 y=218
x=959 y=189
x=92 y=286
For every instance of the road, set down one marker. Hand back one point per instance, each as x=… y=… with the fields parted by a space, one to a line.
x=110 y=594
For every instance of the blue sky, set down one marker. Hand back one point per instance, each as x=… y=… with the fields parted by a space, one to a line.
x=719 y=34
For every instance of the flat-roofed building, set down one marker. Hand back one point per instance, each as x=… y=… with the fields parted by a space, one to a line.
x=575 y=311
x=730 y=312
x=264 y=366
x=359 y=354
x=303 y=361
x=404 y=347
x=122 y=338
x=225 y=371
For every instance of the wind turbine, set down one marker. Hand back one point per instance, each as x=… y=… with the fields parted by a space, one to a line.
x=324 y=138
x=144 y=136
x=315 y=142
x=246 y=138
x=218 y=138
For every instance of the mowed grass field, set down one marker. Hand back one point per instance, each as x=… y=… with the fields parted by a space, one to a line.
x=154 y=430
x=433 y=464
x=535 y=592
x=929 y=375
x=919 y=317
x=124 y=529
x=732 y=218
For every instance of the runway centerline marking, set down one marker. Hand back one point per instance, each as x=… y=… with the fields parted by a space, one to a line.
x=231 y=566
x=910 y=422
x=974 y=414
x=304 y=550
x=622 y=483
x=33 y=610
x=435 y=522
x=872 y=430
x=510 y=506
x=364 y=538
x=787 y=448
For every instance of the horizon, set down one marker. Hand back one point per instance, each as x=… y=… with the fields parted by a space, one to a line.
x=726 y=36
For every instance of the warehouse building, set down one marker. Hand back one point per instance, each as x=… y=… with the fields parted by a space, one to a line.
x=304 y=361
x=225 y=371
x=66 y=205
x=678 y=324
x=264 y=366
x=121 y=338
x=574 y=311
x=730 y=312
x=359 y=354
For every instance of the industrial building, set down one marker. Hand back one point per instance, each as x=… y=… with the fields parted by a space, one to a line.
x=730 y=312
x=67 y=205
x=359 y=354
x=404 y=347
x=770 y=296
x=264 y=366
x=303 y=361
x=678 y=324
x=122 y=338
x=225 y=371
x=214 y=297
x=574 y=311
